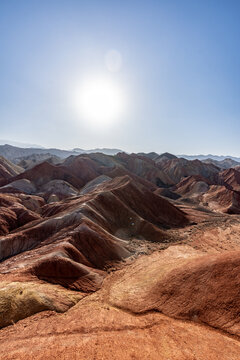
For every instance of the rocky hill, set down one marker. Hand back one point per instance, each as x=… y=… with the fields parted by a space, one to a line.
x=99 y=251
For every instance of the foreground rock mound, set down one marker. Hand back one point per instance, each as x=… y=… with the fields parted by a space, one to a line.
x=59 y=269
x=97 y=328
x=19 y=300
x=184 y=284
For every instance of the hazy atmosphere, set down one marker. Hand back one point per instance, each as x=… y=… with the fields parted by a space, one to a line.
x=135 y=75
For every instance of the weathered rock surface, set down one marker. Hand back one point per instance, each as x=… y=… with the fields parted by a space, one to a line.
x=183 y=284
x=45 y=172
x=230 y=178
x=77 y=238
x=99 y=327
x=23 y=185
x=223 y=164
x=192 y=186
x=163 y=158
x=92 y=185
x=145 y=168
x=16 y=211
x=178 y=168
x=60 y=188
x=8 y=170
x=222 y=199
x=29 y=161
x=19 y=300
x=167 y=193
x=91 y=247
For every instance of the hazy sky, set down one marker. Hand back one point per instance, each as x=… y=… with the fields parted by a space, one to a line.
x=179 y=73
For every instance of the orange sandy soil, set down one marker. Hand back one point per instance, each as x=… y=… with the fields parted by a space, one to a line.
x=94 y=330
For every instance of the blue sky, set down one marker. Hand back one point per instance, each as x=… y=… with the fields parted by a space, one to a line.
x=180 y=73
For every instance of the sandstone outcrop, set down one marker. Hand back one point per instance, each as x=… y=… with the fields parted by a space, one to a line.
x=230 y=178
x=177 y=169
x=192 y=186
x=15 y=212
x=222 y=199
x=183 y=284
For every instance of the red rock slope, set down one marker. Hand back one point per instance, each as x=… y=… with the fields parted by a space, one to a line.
x=78 y=237
x=230 y=178
x=184 y=284
x=17 y=210
x=124 y=321
x=222 y=199
x=192 y=186
x=8 y=170
x=179 y=168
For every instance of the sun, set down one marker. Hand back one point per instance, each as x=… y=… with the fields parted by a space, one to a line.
x=100 y=101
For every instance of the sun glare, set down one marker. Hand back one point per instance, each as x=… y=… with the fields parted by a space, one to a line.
x=100 y=101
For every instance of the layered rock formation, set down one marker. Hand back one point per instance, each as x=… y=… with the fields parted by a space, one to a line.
x=73 y=240
x=8 y=170
x=221 y=199
x=16 y=211
x=120 y=257
x=230 y=178
x=192 y=186
x=176 y=169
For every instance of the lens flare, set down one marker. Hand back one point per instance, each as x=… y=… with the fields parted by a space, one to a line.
x=113 y=60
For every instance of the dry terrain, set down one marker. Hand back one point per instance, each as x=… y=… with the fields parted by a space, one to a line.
x=119 y=257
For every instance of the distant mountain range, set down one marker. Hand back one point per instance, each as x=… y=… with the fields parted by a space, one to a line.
x=17 y=153
x=14 y=153
x=218 y=158
x=210 y=156
x=105 y=151
x=20 y=144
